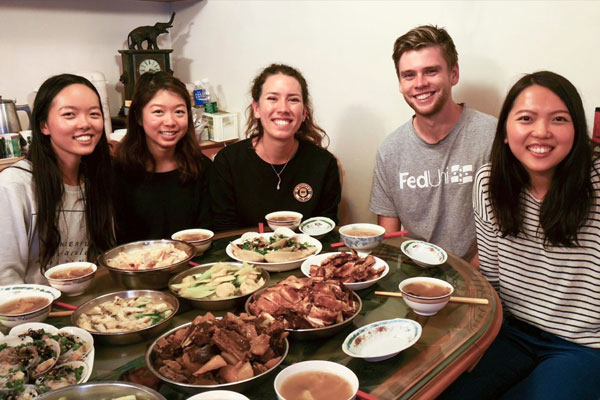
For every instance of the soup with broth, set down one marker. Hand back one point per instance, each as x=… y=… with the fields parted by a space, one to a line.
x=71 y=273
x=193 y=237
x=426 y=289
x=361 y=232
x=316 y=385
x=285 y=218
x=23 y=305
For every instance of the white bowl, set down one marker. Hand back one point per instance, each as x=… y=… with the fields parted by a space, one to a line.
x=317 y=365
x=382 y=339
x=218 y=395
x=276 y=267
x=292 y=219
x=317 y=227
x=13 y=292
x=200 y=245
x=319 y=258
x=71 y=286
x=362 y=242
x=424 y=305
x=424 y=254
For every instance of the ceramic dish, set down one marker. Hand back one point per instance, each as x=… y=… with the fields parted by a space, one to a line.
x=276 y=267
x=424 y=254
x=427 y=304
x=71 y=286
x=218 y=395
x=382 y=339
x=371 y=236
x=11 y=293
x=317 y=227
x=287 y=219
x=201 y=245
x=319 y=258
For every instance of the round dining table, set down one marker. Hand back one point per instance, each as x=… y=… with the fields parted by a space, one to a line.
x=452 y=341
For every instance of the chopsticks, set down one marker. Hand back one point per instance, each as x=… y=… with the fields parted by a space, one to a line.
x=465 y=300
x=385 y=236
x=65 y=305
x=61 y=313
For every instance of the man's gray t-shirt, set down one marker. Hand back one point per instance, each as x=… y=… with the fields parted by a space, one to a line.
x=429 y=186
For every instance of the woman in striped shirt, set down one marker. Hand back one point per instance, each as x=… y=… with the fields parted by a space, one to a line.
x=537 y=213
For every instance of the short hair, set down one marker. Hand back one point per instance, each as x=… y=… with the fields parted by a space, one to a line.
x=309 y=130
x=133 y=154
x=569 y=198
x=425 y=36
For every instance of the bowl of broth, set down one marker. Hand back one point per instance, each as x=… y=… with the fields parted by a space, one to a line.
x=316 y=379
x=72 y=278
x=362 y=236
x=22 y=303
x=287 y=219
x=426 y=296
x=201 y=239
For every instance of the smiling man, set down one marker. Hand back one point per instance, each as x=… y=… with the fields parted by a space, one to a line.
x=424 y=169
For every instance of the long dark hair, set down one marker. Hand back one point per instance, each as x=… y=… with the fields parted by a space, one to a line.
x=133 y=155
x=94 y=171
x=309 y=130
x=569 y=198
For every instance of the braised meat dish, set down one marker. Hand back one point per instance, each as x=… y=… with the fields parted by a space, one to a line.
x=347 y=267
x=304 y=303
x=213 y=351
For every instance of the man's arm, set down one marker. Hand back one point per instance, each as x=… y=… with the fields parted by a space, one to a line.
x=391 y=224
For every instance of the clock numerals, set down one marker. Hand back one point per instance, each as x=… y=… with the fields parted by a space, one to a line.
x=148 y=65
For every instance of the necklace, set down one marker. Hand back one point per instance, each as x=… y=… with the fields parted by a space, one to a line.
x=279 y=173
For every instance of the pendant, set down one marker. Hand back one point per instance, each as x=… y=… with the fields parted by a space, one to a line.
x=278 y=184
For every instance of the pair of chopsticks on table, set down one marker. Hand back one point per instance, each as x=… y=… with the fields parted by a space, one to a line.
x=453 y=299
x=385 y=236
x=68 y=306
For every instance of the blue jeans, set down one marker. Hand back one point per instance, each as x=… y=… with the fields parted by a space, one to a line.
x=527 y=363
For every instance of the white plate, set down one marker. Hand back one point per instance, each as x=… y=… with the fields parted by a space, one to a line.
x=276 y=267
x=317 y=226
x=382 y=339
x=319 y=258
x=26 y=287
x=424 y=254
x=83 y=334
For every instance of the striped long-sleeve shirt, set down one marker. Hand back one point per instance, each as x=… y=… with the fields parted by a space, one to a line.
x=555 y=288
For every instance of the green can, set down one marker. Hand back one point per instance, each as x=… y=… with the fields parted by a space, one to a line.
x=12 y=147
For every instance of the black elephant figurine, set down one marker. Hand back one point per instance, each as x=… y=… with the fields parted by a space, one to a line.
x=148 y=34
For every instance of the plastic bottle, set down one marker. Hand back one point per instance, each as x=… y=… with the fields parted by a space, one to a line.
x=199 y=94
x=210 y=105
x=199 y=100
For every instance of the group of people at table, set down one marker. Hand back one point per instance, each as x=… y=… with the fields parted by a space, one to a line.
x=517 y=196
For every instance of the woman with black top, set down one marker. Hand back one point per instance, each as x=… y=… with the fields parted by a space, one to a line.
x=161 y=175
x=282 y=165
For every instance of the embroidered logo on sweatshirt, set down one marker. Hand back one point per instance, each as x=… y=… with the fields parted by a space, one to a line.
x=303 y=192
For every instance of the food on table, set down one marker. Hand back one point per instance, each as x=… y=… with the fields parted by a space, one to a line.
x=276 y=248
x=361 y=232
x=193 y=237
x=213 y=351
x=283 y=218
x=220 y=281
x=72 y=347
x=347 y=267
x=23 y=305
x=20 y=392
x=316 y=385
x=73 y=272
x=70 y=373
x=125 y=314
x=150 y=257
x=426 y=289
x=304 y=303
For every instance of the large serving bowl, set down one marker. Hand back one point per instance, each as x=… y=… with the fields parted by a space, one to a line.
x=382 y=339
x=21 y=292
x=239 y=386
x=283 y=219
x=71 y=286
x=199 y=238
x=316 y=366
x=123 y=338
x=156 y=278
x=320 y=258
x=214 y=304
x=424 y=254
x=280 y=266
x=102 y=391
x=315 y=333
x=426 y=303
x=362 y=236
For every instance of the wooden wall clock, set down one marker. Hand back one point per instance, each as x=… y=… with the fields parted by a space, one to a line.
x=137 y=62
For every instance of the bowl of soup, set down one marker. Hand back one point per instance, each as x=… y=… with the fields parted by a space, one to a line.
x=22 y=303
x=280 y=219
x=316 y=379
x=362 y=236
x=426 y=296
x=199 y=238
x=72 y=278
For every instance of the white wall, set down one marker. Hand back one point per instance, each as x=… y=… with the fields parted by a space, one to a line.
x=342 y=47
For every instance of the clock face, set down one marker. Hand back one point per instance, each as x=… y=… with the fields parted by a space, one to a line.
x=148 y=65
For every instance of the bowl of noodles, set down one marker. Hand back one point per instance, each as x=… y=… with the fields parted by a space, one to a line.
x=147 y=264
